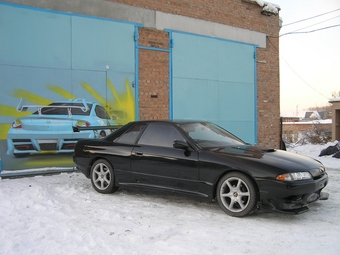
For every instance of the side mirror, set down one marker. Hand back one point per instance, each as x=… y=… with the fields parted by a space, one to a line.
x=183 y=145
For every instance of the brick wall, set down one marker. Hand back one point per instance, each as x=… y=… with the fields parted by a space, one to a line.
x=238 y=13
x=268 y=95
x=298 y=127
x=153 y=75
x=310 y=132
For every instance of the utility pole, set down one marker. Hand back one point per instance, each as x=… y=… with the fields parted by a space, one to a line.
x=297 y=111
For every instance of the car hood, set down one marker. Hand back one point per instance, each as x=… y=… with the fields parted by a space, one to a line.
x=278 y=159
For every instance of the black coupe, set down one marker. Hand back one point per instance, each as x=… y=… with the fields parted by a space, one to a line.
x=202 y=159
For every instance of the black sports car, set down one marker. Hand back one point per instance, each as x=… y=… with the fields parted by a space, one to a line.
x=202 y=159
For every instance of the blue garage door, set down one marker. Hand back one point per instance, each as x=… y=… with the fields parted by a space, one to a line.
x=55 y=56
x=214 y=80
x=48 y=56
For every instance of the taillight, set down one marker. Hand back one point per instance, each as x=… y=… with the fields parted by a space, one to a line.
x=17 y=124
x=83 y=123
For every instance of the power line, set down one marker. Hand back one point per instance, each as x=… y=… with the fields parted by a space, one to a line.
x=305 y=32
x=317 y=23
x=296 y=72
x=311 y=17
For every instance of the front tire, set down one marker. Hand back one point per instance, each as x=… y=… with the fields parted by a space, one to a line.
x=102 y=177
x=236 y=194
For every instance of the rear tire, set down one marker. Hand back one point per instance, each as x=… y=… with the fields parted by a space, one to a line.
x=102 y=177
x=21 y=155
x=236 y=194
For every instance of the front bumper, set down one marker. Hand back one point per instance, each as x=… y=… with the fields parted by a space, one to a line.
x=292 y=197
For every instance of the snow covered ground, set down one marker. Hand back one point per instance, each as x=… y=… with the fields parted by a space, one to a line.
x=62 y=214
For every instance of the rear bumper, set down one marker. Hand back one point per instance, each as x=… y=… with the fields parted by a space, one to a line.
x=293 y=197
x=82 y=165
x=36 y=142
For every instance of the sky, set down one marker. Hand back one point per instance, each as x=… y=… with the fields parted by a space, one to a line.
x=309 y=62
x=63 y=214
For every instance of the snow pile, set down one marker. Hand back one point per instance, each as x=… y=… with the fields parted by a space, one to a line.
x=259 y=2
x=267 y=7
x=62 y=214
x=313 y=151
x=271 y=9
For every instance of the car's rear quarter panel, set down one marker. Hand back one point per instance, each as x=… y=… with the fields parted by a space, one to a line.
x=88 y=151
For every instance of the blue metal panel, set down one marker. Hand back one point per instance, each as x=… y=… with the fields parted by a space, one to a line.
x=98 y=43
x=34 y=38
x=192 y=99
x=235 y=62
x=188 y=53
x=214 y=80
x=235 y=100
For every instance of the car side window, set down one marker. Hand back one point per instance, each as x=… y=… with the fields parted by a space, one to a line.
x=131 y=135
x=160 y=135
x=101 y=113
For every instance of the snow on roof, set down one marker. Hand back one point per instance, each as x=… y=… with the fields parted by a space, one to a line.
x=267 y=6
x=259 y=2
x=333 y=100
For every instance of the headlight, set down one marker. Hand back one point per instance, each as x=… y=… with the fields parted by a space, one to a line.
x=298 y=176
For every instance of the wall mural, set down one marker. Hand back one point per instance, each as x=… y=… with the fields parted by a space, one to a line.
x=42 y=136
x=59 y=70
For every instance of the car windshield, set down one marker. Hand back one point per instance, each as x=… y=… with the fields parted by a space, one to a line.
x=209 y=135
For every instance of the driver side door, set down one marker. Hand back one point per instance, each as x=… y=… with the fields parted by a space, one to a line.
x=156 y=163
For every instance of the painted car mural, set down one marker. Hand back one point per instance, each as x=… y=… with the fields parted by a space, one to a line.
x=50 y=128
x=67 y=64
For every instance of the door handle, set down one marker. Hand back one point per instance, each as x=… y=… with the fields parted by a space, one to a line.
x=139 y=153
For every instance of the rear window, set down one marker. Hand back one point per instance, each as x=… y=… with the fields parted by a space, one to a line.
x=131 y=135
x=62 y=109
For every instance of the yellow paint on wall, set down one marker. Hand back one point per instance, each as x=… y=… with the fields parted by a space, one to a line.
x=48 y=161
x=60 y=91
x=12 y=112
x=130 y=102
x=122 y=106
x=30 y=97
x=4 y=131
x=114 y=92
x=93 y=93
